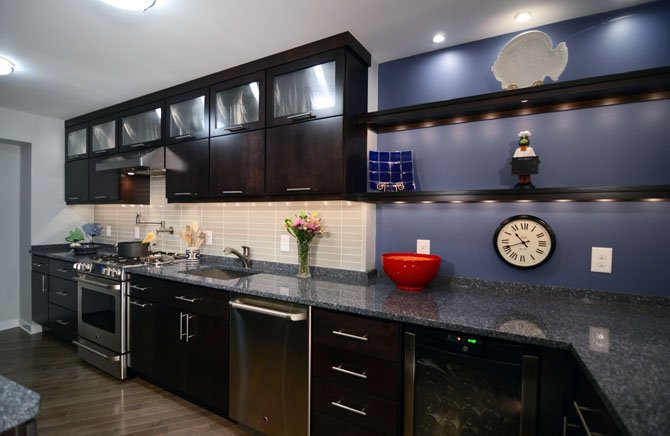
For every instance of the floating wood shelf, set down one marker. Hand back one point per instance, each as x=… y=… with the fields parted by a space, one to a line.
x=636 y=86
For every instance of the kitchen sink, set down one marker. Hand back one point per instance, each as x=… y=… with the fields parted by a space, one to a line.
x=219 y=273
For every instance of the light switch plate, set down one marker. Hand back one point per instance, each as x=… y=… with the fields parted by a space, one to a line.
x=423 y=246
x=599 y=339
x=208 y=237
x=108 y=231
x=284 y=243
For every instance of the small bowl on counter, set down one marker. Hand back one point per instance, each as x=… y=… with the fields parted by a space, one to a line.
x=411 y=271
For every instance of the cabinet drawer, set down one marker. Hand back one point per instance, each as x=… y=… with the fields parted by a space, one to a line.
x=355 y=407
x=40 y=264
x=375 y=338
x=325 y=425
x=357 y=371
x=63 y=292
x=62 y=322
x=62 y=269
x=195 y=299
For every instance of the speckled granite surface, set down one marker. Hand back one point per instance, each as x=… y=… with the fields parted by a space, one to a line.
x=630 y=366
x=17 y=404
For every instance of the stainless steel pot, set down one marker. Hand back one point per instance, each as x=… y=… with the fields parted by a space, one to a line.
x=133 y=249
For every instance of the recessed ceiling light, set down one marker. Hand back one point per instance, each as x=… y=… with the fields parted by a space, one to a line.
x=438 y=38
x=131 y=5
x=6 y=66
x=522 y=17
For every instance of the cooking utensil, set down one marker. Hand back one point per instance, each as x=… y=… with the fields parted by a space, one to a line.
x=132 y=249
x=149 y=238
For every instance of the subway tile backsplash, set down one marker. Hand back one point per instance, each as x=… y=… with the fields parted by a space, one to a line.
x=259 y=225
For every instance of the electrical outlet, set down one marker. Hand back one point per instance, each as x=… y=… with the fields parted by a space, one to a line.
x=208 y=237
x=599 y=339
x=108 y=231
x=137 y=233
x=284 y=243
x=423 y=246
x=601 y=260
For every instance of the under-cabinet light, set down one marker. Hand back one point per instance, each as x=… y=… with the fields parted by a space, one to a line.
x=438 y=38
x=563 y=200
x=605 y=200
x=653 y=199
x=524 y=101
x=131 y=5
x=6 y=66
x=522 y=17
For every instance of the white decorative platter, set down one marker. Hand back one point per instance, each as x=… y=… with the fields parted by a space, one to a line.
x=528 y=58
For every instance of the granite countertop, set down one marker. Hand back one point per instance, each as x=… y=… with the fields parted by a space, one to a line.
x=622 y=341
x=17 y=404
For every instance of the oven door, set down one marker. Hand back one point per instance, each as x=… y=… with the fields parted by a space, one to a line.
x=101 y=306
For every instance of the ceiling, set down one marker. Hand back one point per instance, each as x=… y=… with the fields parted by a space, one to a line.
x=76 y=56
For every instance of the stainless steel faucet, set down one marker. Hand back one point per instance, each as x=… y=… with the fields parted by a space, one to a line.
x=161 y=229
x=245 y=256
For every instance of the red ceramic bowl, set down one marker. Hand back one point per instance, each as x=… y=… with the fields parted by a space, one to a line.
x=411 y=271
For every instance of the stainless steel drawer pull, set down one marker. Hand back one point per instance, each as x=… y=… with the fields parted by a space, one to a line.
x=138 y=145
x=37 y=264
x=100 y=197
x=96 y=352
x=183 y=193
x=63 y=270
x=236 y=128
x=186 y=136
x=231 y=192
x=73 y=198
x=182 y=298
x=298 y=189
x=111 y=287
x=62 y=293
x=302 y=116
x=300 y=315
x=61 y=322
x=142 y=305
x=139 y=288
x=348 y=409
x=341 y=332
x=339 y=368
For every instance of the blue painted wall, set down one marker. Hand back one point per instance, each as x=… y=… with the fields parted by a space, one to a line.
x=616 y=145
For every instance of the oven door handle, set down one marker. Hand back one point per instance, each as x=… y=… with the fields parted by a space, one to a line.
x=85 y=347
x=111 y=287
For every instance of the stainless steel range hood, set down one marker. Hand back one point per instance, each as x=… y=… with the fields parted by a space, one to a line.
x=150 y=162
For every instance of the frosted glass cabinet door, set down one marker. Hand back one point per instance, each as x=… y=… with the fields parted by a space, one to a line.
x=77 y=140
x=306 y=89
x=142 y=127
x=188 y=116
x=103 y=136
x=238 y=105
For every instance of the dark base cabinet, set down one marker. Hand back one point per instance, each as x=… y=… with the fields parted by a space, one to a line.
x=173 y=343
x=39 y=290
x=62 y=322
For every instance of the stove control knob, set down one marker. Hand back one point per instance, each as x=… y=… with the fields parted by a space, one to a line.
x=86 y=267
x=116 y=272
x=105 y=271
x=76 y=266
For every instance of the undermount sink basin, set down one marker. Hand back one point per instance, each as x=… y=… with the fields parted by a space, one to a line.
x=218 y=273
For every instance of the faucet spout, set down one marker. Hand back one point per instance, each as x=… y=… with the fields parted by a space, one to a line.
x=245 y=256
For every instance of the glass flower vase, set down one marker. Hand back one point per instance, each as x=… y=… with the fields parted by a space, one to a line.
x=303 y=260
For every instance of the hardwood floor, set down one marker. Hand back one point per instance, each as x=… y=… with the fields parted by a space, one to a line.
x=78 y=399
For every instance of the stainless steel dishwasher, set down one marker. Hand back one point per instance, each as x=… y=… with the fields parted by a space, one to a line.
x=269 y=365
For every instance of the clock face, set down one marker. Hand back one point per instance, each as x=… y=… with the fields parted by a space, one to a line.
x=524 y=241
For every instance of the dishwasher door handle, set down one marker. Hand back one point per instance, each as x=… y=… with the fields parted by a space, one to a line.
x=290 y=316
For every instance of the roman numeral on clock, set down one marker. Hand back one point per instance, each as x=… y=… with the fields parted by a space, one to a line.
x=540 y=235
x=524 y=226
x=505 y=241
x=506 y=249
x=538 y=251
x=542 y=243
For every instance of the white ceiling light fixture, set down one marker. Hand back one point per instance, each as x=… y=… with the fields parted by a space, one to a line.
x=522 y=17
x=131 y=5
x=438 y=38
x=6 y=66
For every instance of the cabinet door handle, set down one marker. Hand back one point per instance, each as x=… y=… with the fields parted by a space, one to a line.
x=63 y=270
x=338 y=368
x=73 y=198
x=61 y=322
x=186 y=136
x=348 y=409
x=142 y=305
x=141 y=144
x=99 y=151
x=100 y=197
x=183 y=194
x=183 y=298
x=231 y=192
x=181 y=326
x=139 y=288
x=44 y=286
x=62 y=293
x=188 y=324
x=37 y=264
x=341 y=332
x=302 y=116
x=236 y=128
x=298 y=189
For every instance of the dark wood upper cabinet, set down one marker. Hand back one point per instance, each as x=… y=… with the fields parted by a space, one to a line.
x=103 y=136
x=237 y=165
x=76 y=142
x=238 y=105
x=142 y=126
x=76 y=181
x=187 y=171
x=307 y=88
x=103 y=185
x=188 y=116
x=305 y=158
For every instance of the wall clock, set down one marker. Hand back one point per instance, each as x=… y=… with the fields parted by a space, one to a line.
x=524 y=241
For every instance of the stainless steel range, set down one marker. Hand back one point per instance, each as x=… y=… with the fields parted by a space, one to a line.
x=102 y=308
